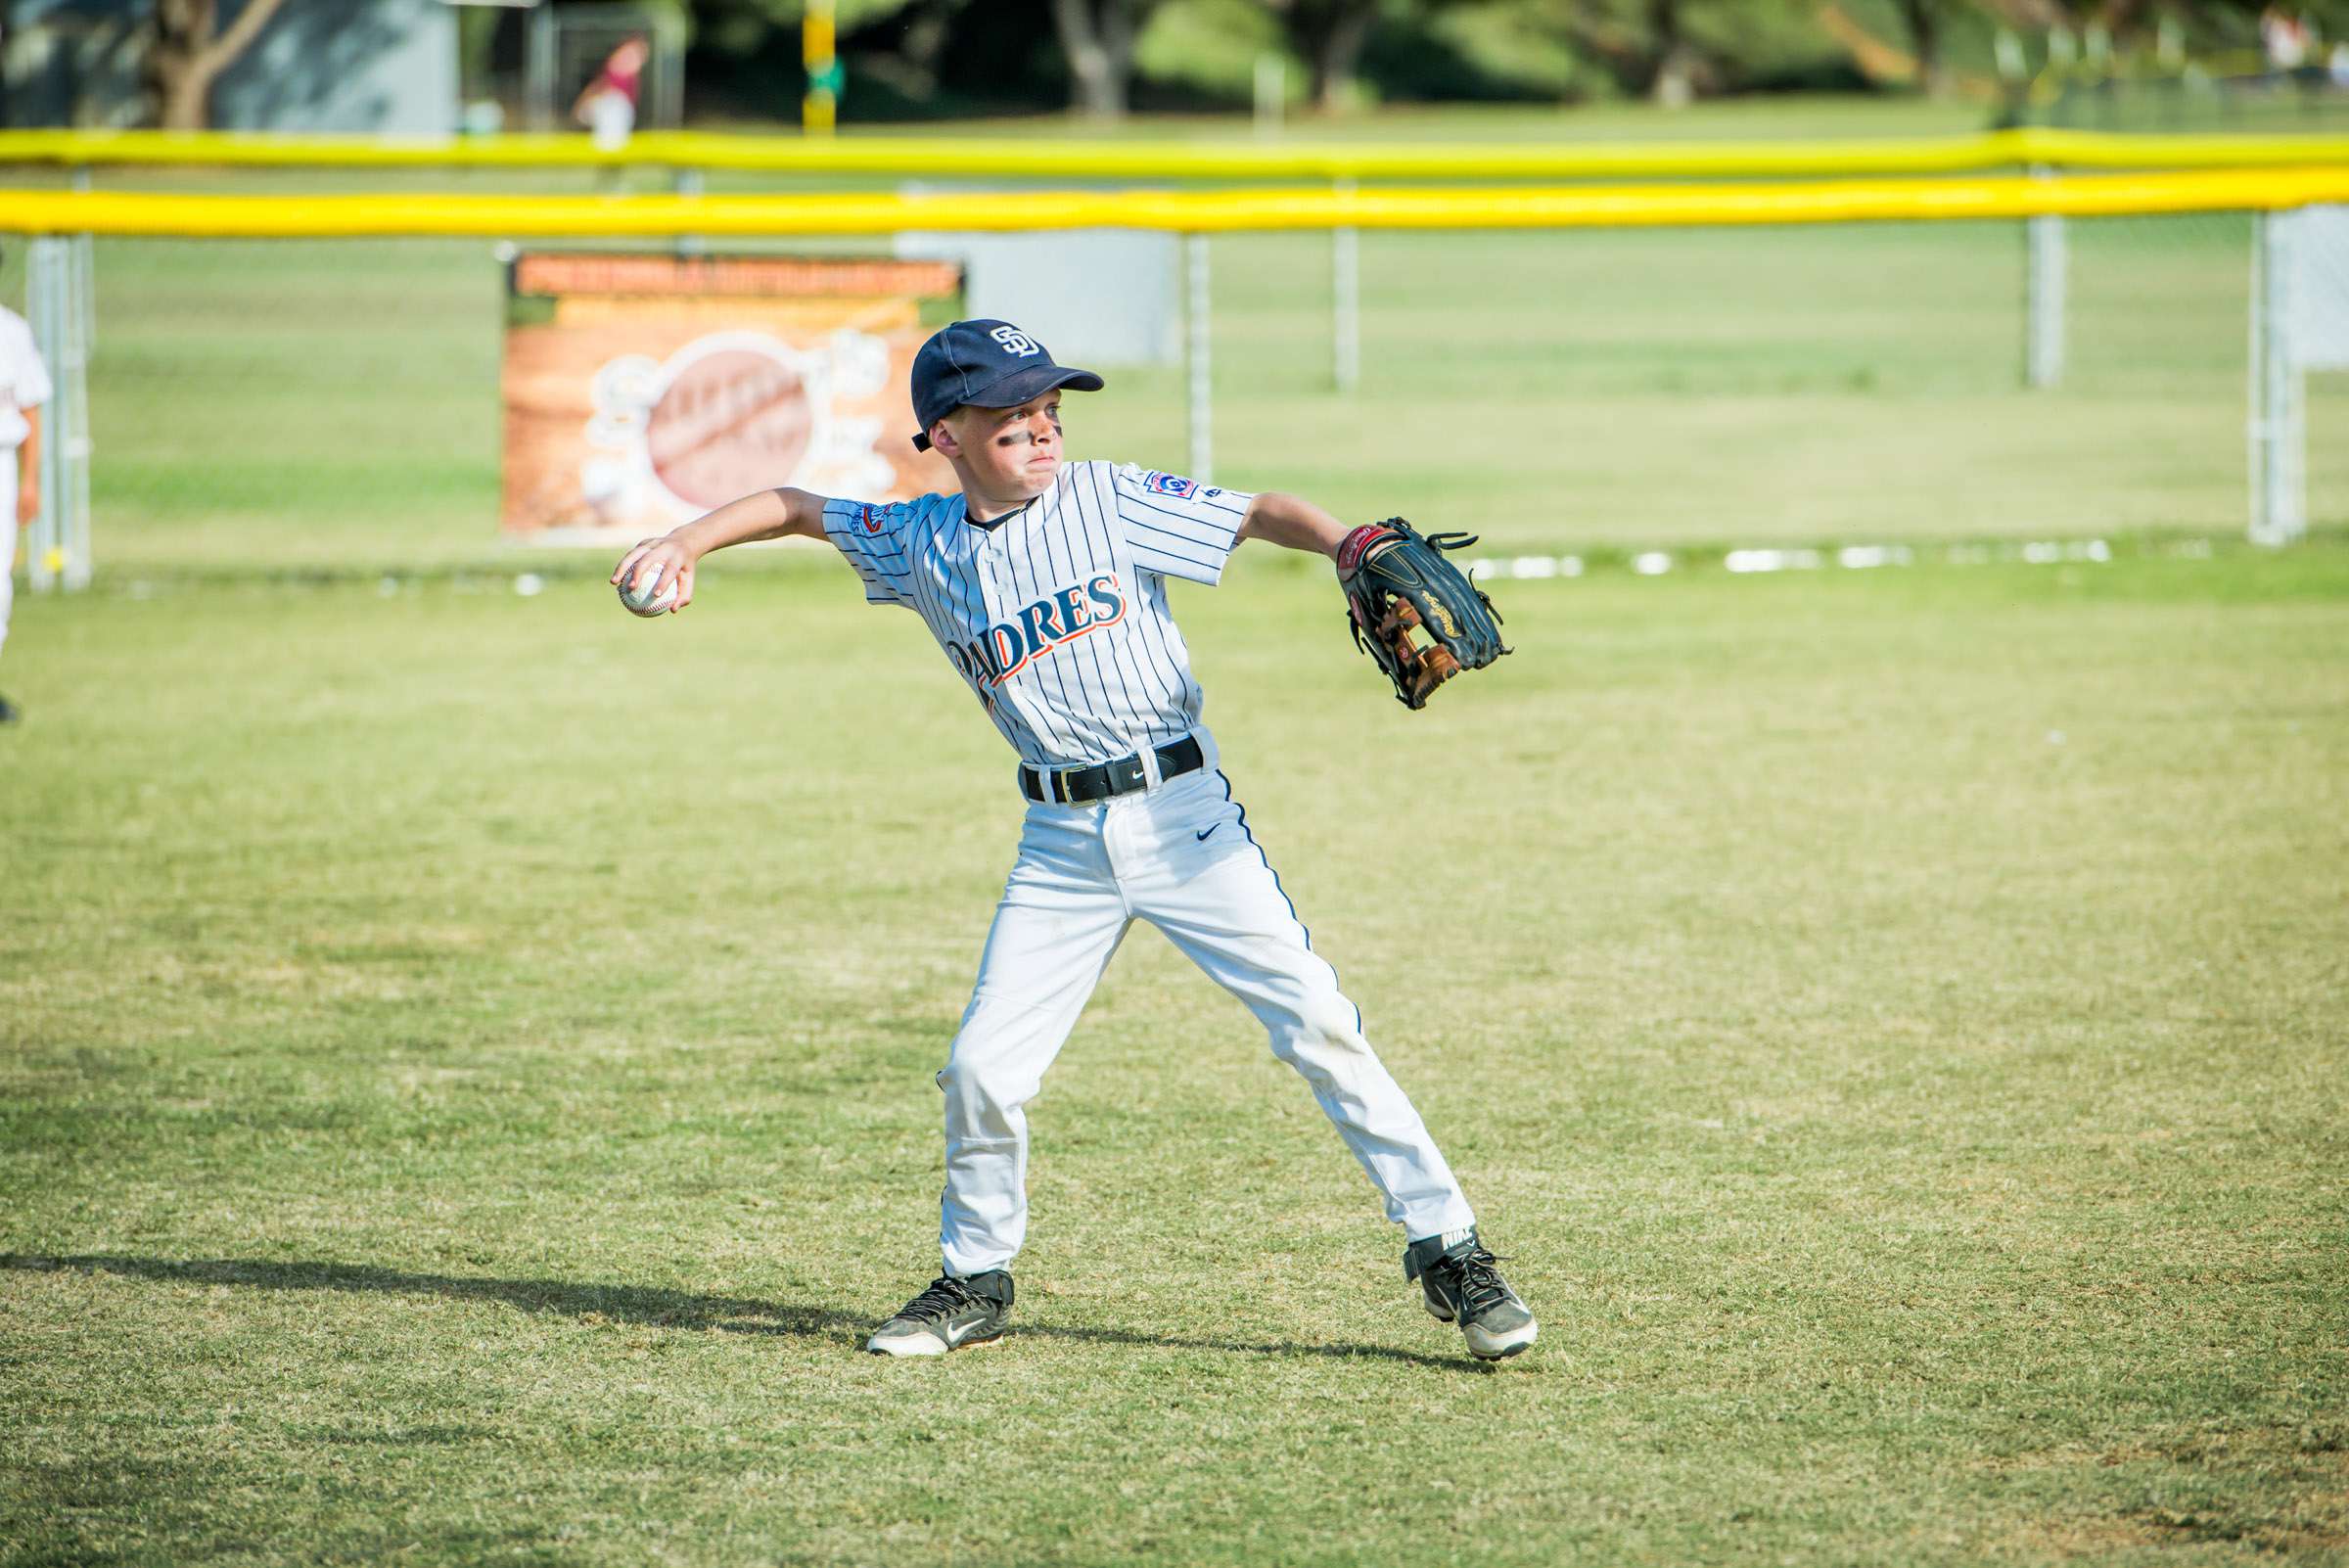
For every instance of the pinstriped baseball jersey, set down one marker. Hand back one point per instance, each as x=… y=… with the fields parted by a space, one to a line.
x=1056 y=614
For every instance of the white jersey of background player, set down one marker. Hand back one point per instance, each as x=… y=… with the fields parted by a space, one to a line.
x=24 y=389
x=1044 y=582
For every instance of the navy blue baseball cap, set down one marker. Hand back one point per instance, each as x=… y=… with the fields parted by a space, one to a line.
x=990 y=364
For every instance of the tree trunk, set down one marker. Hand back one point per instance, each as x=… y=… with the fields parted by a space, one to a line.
x=926 y=39
x=1925 y=38
x=186 y=58
x=179 y=99
x=1099 y=46
x=1331 y=38
x=1119 y=24
x=1673 y=85
x=184 y=98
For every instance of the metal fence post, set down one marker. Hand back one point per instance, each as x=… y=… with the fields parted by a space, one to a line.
x=83 y=282
x=539 y=69
x=74 y=410
x=2279 y=432
x=58 y=303
x=45 y=305
x=1346 y=301
x=1199 y=380
x=689 y=183
x=2046 y=277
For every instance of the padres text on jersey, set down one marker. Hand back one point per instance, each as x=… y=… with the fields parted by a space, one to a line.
x=1055 y=614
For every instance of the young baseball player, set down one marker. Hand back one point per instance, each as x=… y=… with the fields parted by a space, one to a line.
x=24 y=389
x=1044 y=582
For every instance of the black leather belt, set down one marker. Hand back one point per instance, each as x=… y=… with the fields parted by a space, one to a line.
x=1073 y=785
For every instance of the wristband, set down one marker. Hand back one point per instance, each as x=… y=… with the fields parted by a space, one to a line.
x=1356 y=544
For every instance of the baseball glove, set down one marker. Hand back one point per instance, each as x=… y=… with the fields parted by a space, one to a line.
x=1398 y=583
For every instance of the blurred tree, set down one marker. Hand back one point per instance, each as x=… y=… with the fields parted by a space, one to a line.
x=743 y=57
x=746 y=27
x=925 y=31
x=188 y=53
x=1328 y=35
x=1608 y=40
x=1923 y=20
x=917 y=58
x=1097 y=37
x=1672 y=80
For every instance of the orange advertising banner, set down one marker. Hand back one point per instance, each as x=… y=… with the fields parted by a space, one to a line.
x=641 y=390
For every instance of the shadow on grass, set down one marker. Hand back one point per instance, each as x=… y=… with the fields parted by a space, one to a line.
x=639 y=1303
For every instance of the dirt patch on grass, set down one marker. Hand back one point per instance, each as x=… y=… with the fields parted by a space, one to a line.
x=2270 y=1490
x=2164 y=1527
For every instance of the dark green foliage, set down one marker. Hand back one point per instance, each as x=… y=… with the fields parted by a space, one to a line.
x=923 y=59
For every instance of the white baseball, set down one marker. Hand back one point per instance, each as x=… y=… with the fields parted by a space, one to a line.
x=648 y=597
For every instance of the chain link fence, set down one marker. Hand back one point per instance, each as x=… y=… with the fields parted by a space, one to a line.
x=336 y=405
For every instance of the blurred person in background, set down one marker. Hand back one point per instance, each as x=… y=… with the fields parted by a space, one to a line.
x=607 y=106
x=2284 y=39
x=24 y=389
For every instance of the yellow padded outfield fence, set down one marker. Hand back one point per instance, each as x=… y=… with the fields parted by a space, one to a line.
x=1147 y=160
x=2279 y=200
x=1175 y=211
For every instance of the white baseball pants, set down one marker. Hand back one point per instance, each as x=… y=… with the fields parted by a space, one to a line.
x=1179 y=856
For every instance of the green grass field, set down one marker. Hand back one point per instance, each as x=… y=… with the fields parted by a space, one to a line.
x=465 y=1058
x=465 y=1084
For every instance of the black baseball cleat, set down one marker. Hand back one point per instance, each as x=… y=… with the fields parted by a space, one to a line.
x=1463 y=1285
x=953 y=1313
x=10 y=712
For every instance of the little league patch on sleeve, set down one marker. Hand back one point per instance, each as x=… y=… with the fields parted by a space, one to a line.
x=1170 y=485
